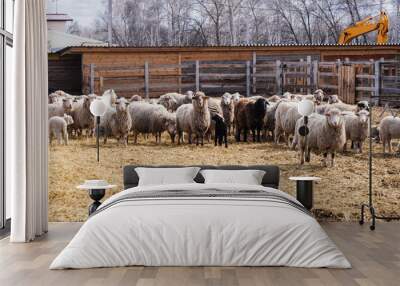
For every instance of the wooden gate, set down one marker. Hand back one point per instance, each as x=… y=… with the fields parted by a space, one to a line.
x=347 y=83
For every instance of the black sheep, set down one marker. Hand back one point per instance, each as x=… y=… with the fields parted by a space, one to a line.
x=221 y=130
x=255 y=112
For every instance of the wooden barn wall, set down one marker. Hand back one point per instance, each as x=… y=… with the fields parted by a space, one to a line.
x=65 y=73
x=128 y=81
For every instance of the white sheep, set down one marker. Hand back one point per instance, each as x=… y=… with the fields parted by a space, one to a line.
x=109 y=98
x=150 y=118
x=59 y=108
x=58 y=128
x=118 y=123
x=83 y=118
x=57 y=96
x=194 y=118
x=389 y=129
x=356 y=128
x=228 y=110
x=327 y=135
x=286 y=116
x=171 y=101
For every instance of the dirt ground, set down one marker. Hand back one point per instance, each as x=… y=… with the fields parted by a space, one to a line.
x=336 y=197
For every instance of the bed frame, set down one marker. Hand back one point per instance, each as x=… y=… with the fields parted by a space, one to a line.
x=271 y=177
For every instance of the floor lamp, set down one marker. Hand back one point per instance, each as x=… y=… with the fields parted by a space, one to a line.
x=98 y=109
x=305 y=109
x=370 y=204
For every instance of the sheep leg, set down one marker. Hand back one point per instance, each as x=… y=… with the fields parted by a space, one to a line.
x=245 y=135
x=202 y=140
x=215 y=138
x=237 y=135
x=389 y=142
x=65 y=136
x=259 y=135
x=301 y=156
x=332 y=159
x=324 y=160
x=308 y=155
x=59 y=138
x=226 y=140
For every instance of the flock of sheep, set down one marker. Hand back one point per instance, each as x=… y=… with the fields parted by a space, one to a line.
x=200 y=117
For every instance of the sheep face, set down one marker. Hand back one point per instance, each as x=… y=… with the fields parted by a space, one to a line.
x=363 y=116
x=199 y=100
x=319 y=96
x=236 y=97
x=68 y=119
x=67 y=104
x=167 y=101
x=333 y=99
x=334 y=118
x=87 y=100
x=261 y=104
x=226 y=99
x=170 y=126
x=363 y=105
x=122 y=105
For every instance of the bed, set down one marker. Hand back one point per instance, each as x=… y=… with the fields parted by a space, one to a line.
x=198 y=224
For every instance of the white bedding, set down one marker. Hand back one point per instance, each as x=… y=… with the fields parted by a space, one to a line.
x=200 y=231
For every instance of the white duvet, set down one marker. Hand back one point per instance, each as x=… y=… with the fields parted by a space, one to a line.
x=200 y=231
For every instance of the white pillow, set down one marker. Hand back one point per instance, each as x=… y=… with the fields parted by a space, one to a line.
x=247 y=177
x=166 y=176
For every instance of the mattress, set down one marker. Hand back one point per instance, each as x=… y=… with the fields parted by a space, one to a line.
x=201 y=225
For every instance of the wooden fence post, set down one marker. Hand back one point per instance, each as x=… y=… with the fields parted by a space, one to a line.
x=146 y=79
x=278 y=77
x=197 y=75
x=248 y=78
x=92 y=73
x=309 y=74
x=101 y=85
x=377 y=78
x=254 y=82
x=339 y=77
x=315 y=74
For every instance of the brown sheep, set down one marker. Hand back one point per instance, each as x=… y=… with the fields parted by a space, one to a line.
x=249 y=115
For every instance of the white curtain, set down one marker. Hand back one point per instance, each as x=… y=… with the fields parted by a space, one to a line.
x=26 y=124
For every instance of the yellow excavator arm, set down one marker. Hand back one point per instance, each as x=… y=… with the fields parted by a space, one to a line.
x=365 y=26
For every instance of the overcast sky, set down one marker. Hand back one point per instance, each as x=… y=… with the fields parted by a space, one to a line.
x=83 y=11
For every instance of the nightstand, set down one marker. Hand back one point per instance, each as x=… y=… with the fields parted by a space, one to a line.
x=304 y=190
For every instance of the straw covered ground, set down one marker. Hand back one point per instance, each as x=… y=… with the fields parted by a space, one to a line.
x=336 y=197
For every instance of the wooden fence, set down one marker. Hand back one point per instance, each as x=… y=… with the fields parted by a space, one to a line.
x=352 y=81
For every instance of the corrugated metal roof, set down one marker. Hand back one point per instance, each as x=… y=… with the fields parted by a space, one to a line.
x=307 y=46
x=58 y=17
x=59 y=40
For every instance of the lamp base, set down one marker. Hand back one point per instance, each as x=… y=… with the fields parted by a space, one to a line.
x=374 y=217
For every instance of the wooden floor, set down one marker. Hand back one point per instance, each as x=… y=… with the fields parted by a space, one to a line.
x=375 y=257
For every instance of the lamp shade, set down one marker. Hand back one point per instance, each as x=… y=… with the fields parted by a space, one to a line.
x=305 y=107
x=98 y=108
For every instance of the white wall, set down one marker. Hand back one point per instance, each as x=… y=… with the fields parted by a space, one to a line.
x=56 y=25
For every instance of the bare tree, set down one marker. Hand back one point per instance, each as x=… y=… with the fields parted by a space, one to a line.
x=233 y=22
